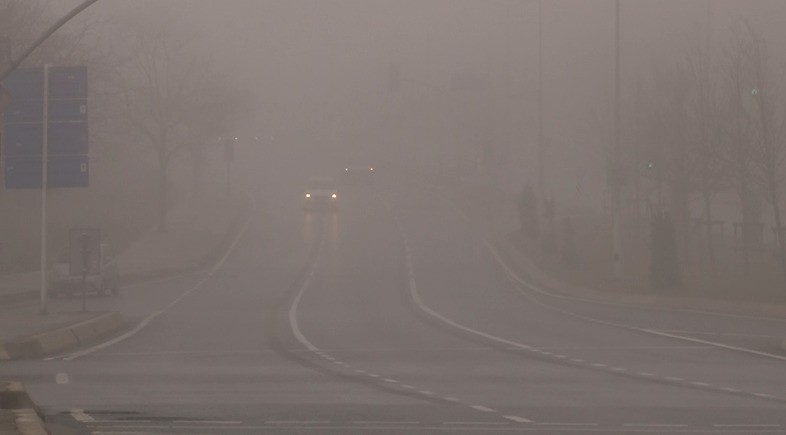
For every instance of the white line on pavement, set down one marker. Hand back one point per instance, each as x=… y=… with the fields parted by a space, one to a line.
x=742 y=426
x=297 y=422
x=536 y=289
x=473 y=423
x=555 y=423
x=207 y=422
x=383 y=422
x=654 y=425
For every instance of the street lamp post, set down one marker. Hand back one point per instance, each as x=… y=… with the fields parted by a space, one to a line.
x=616 y=254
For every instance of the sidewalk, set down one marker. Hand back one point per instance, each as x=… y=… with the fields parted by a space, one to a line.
x=197 y=230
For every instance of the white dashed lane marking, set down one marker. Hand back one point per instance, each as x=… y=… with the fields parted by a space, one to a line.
x=81 y=416
x=304 y=422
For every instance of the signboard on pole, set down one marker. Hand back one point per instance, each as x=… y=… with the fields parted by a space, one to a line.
x=67 y=128
x=85 y=251
x=5 y=99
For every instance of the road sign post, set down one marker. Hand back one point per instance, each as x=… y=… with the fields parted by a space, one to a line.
x=84 y=256
x=44 y=184
x=5 y=99
x=46 y=136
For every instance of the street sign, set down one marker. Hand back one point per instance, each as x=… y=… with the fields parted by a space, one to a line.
x=24 y=111
x=24 y=172
x=67 y=135
x=27 y=139
x=5 y=99
x=85 y=251
x=68 y=82
x=68 y=110
x=26 y=83
x=23 y=139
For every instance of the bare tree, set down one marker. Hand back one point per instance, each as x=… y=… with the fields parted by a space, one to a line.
x=735 y=126
x=706 y=158
x=672 y=126
x=769 y=132
x=162 y=84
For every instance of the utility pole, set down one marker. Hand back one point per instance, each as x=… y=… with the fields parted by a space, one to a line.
x=44 y=184
x=616 y=187
x=541 y=140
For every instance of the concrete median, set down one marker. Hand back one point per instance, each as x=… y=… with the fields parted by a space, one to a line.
x=98 y=327
x=62 y=339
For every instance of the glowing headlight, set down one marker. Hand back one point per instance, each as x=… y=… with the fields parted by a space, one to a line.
x=308 y=195
x=334 y=196
x=346 y=169
x=370 y=169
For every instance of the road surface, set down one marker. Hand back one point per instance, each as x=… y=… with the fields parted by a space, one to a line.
x=394 y=315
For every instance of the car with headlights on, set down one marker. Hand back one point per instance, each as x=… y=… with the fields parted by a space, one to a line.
x=321 y=193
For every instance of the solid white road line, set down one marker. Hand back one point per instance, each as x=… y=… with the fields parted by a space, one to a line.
x=207 y=422
x=744 y=426
x=473 y=423
x=297 y=422
x=293 y=323
x=556 y=423
x=536 y=289
x=384 y=422
x=654 y=425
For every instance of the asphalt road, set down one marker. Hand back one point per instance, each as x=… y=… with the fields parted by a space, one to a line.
x=393 y=315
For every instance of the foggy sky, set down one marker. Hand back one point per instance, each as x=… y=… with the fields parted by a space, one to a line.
x=324 y=62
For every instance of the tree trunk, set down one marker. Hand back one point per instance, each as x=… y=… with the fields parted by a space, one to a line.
x=708 y=214
x=162 y=193
x=197 y=167
x=744 y=198
x=778 y=228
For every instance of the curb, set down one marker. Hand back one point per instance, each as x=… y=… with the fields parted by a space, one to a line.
x=27 y=418
x=62 y=339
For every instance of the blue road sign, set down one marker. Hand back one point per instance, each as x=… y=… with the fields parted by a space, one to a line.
x=26 y=84
x=28 y=139
x=67 y=145
x=23 y=139
x=24 y=172
x=24 y=111
x=67 y=138
x=67 y=82
x=68 y=110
